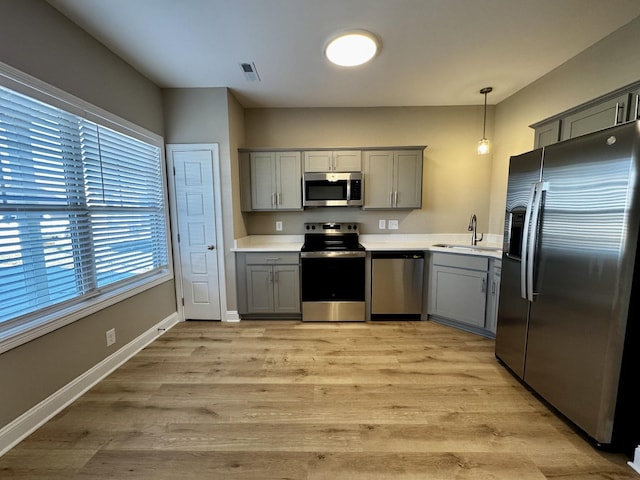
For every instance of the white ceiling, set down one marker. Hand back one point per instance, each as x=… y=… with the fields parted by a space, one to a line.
x=434 y=52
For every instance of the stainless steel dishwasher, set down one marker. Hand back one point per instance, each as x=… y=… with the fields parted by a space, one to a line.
x=396 y=283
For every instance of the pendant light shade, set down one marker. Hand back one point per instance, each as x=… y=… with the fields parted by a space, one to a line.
x=484 y=146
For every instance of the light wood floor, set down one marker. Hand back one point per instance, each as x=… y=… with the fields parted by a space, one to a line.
x=287 y=400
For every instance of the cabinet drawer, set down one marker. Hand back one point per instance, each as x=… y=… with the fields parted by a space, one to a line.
x=272 y=258
x=471 y=262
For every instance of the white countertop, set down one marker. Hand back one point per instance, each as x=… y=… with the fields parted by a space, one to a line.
x=490 y=247
x=269 y=243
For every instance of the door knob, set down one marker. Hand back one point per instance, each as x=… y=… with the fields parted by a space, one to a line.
x=211 y=247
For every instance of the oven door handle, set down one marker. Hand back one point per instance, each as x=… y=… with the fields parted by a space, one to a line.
x=333 y=254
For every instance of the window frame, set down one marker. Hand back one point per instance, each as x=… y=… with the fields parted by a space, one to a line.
x=15 y=333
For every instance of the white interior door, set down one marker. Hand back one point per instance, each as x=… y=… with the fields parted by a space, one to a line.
x=197 y=240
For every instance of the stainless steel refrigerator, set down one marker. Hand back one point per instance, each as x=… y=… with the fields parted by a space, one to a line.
x=569 y=296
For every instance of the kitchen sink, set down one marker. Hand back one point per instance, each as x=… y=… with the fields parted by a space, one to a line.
x=467 y=247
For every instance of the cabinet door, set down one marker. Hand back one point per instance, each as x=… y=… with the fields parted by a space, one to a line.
x=634 y=106
x=320 y=161
x=597 y=117
x=263 y=181
x=378 y=179
x=289 y=181
x=259 y=288
x=458 y=294
x=547 y=134
x=493 y=295
x=408 y=179
x=286 y=289
x=347 y=161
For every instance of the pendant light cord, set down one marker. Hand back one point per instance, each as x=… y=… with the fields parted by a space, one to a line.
x=484 y=123
x=485 y=91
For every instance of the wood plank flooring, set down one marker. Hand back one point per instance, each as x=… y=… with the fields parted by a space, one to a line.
x=316 y=401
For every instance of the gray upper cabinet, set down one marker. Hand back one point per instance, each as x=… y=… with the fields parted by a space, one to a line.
x=276 y=181
x=547 y=134
x=607 y=111
x=603 y=115
x=333 y=161
x=392 y=179
x=634 y=105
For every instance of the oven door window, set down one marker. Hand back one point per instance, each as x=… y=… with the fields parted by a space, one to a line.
x=333 y=279
x=326 y=190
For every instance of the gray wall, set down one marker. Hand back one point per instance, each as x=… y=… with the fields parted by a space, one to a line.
x=37 y=40
x=612 y=63
x=213 y=115
x=455 y=178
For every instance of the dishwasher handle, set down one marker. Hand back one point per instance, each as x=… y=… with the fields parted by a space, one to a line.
x=410 y=255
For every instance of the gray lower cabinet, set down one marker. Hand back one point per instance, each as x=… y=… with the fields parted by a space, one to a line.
x=493 y=300
x=462 y=293
x=268 y=284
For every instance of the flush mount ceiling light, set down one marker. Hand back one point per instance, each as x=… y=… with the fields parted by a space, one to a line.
x=352 y=48
x=483 y=145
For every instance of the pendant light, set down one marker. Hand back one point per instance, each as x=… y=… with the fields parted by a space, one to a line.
x=483 y=145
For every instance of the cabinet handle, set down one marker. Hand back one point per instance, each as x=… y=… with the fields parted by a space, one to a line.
x=637 y=106
x=391 y=198
x=395 y=202
x=619 y=106
x=271 y=276
x=484 y=285
x=272 y=259
x=493 y=288
x=275 y=276
x=279 y=199
x=273 y=199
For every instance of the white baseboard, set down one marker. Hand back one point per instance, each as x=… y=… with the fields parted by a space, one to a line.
x=232 y=316
x=16 y=431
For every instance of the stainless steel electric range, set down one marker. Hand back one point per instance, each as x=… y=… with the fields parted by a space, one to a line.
x=333 y=273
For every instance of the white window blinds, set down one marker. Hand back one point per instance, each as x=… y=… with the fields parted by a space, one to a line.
x=81 y=207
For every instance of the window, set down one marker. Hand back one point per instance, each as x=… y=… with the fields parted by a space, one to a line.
x=82 y=209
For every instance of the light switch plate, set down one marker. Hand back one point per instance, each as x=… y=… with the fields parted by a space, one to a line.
x=382 y=224
x=278 y=226
x=393 y=224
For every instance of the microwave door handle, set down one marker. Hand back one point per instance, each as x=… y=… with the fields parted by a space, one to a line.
x=525 y=242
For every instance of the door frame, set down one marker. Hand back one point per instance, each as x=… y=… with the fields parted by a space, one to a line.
x=173 y=213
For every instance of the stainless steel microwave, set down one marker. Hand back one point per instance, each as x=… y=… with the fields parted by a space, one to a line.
x=332 y=189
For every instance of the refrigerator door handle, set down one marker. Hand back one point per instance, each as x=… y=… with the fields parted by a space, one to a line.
x=533 y=238
x=525 y=242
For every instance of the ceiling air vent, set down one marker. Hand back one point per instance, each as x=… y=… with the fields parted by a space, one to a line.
x=250 y=72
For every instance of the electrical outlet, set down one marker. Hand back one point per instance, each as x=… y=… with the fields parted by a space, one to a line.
x=382 y=224
x=278 y=226
x=111 y=337
x=393 y=224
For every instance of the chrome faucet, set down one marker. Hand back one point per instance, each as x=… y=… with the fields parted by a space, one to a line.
x=473 y=225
